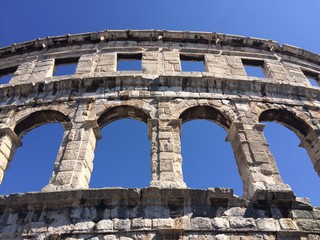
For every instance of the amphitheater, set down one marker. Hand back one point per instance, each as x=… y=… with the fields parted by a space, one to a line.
x=163 y=96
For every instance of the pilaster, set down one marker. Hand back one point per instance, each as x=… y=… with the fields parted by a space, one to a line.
x=166 y=158
x=74 y=165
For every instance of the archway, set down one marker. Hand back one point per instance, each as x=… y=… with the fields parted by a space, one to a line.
x=208 y=160
x=33 y=163
x=122 y=156
x=284 y=132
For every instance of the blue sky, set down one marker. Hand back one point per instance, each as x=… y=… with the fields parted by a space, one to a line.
x=208 y=161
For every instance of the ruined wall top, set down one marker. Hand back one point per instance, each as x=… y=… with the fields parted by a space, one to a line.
x=206 y=38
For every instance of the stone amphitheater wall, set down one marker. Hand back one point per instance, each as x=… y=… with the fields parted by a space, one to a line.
x=163 y=96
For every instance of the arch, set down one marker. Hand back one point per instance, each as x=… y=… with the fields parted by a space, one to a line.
x=209 y=159
x=38 y=118
x=49 y=137
x=205 y=112
x=123 y=111
x=122 y=156
x=292 y=160
x=288 y=119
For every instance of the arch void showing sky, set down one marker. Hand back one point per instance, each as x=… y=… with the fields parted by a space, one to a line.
x=293 y=22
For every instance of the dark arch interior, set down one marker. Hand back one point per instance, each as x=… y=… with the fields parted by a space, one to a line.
x=38 y=118
x=287 y=118
x=205 y=112
x=120 y=112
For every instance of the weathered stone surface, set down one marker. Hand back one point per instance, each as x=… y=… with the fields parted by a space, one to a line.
x=247 y=223
x=121 y=224
x=141 y=223
x=164 y=96
x=104 y=225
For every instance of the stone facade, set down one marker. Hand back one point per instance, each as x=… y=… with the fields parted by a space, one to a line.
x=162 y=96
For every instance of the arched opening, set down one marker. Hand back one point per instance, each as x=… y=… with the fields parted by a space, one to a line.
x=208 y=160
x=120 y=112
x=284 y=132
x=287 y=119
x=122 y=156
x=205 y=112
x=33 y=163
x=38 y=118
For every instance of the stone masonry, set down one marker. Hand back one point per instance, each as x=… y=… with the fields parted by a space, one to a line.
x=163 y=96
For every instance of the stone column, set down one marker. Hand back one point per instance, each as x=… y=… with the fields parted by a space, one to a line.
x=166 y=161
x=312 y=144
x=74 y=165
x=256 y=164
x=9 y=142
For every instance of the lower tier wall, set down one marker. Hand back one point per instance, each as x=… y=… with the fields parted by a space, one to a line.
x=154 y=214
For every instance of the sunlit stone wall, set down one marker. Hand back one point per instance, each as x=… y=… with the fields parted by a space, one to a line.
x=162 y=95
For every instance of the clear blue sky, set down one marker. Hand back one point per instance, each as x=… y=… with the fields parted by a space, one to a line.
x=206 y=164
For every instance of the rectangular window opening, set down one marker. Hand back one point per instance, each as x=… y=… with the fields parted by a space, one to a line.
x=65 y=66
x=254 y=68
x=313 y=77
x=6 y=74
x=129 y=62
x=191 y=63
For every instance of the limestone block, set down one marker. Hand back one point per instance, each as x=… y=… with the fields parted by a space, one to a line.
x=162 y=223
x=287 y=224
x=307 y=225
x=104 y=225
x=85 y=65
x=301 y=214
x=245 y=223
x=182 y=223
x=201 y=223
x=266 y=224
x=84 y=226
x=150 y=62
x=220 y=223
x=141 y=223
x=121 y=224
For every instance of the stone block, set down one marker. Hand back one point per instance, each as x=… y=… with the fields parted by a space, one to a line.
x=104 y=225
x=267 y=224
x=242 y=223
x=201 y=223
x=162 y=223
x=140 y=223
x=308 y=225
x=121 y=224
x=220 y=223
x=287 y=224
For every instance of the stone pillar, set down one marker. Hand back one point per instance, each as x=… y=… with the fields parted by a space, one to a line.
x=256 y=164
x=312 y=144
x=166 y=160
x=74 y=165
x=9 y=142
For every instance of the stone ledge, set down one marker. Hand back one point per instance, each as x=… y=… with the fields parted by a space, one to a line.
x=115 y=197
x=210 y=38
x=82 y=88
